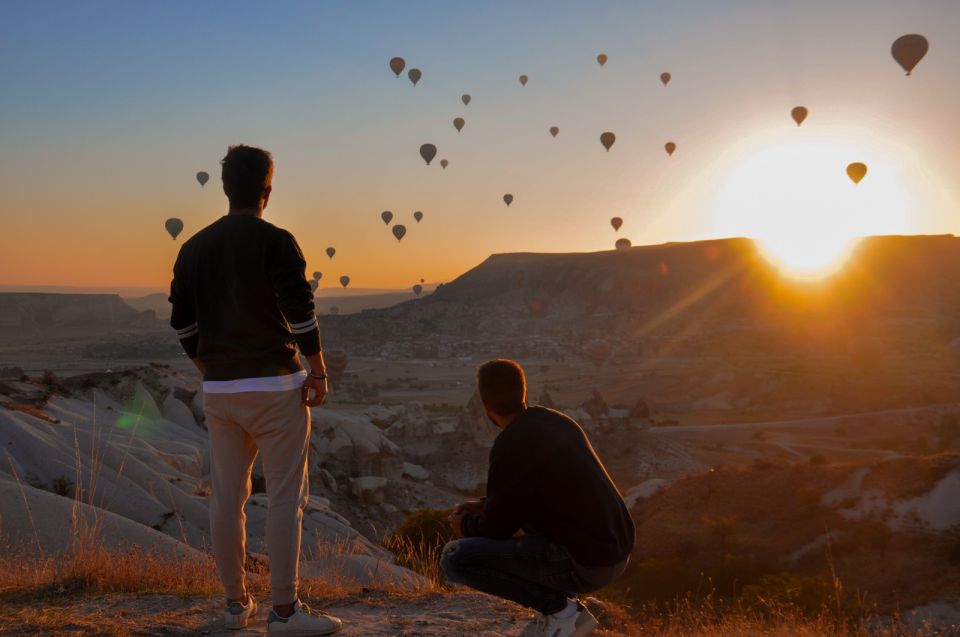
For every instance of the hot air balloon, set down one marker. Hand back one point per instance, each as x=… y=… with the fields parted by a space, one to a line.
x=203 y=178
x=458 y=123
x=523 y=80
x=616 y=222
x=337 y=361
x=623 y=244
x=607 y=140
x=465 y=98
x=908 y=50
x=670 y=147
x=398 y=231
x=317 y=276
x=597 y=352
x=331 y=252
x=422 y=280
x=314 y=285
x=665 y=78
x=799 y=113
x=508 y=199
x=418 y=216
x=417 y=289
x=444 y=163
x=414 y=75
x=344 y=280
x=387 y=217
x=428 y=152
x=396 y=65
x=554 y=130
x=602 y=59
x=856 y=171
x=174 y=226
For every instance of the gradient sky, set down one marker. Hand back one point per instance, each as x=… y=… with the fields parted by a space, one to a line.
x=108 y=109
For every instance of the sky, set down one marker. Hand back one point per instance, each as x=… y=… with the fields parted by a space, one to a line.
x=108 y=110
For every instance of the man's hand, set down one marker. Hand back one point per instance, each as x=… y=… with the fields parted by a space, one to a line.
x=470 y=506
x=318 y=387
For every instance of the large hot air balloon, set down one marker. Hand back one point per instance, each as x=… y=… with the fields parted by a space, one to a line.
x=508 y=199
x=417 y=289
x=418 y=216
x=344 y=280
x=665 y=78
x=670 y=147
x=414 y=75
x=444 y=163
x=523 y=80
x=458 y=123
x=331 y=252
x=337 y=361
x=428 y=152
x=799 y=113
x=203 y=178
x=465 y=98
x=602 y=59
x=387 y=217
x=856 y=171
x=908 y=50
x=623 y=244
x=607 y=140
x=398 y=231
x=396 y=65
x=317 y=276
x=174 y=226
x=616 y=222
x=554 y=130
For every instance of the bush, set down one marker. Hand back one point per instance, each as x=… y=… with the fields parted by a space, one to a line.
x=811 y=596
x=732 y=574
x=419 y=540
x=656 y=580
x=62 y=486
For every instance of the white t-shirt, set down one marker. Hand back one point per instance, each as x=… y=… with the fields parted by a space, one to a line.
x=266 y=383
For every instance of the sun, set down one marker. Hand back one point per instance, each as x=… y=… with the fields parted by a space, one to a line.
x=795 y=199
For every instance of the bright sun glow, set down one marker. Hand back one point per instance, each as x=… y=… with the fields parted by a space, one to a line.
x=795 y=199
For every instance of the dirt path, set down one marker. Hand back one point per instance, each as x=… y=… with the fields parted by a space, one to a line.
x=377 y=614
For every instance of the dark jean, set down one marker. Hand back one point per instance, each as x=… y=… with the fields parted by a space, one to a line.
x=528 y=570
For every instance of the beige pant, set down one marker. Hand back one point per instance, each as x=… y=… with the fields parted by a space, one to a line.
x=278 y=425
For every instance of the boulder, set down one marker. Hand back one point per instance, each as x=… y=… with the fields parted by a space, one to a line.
x=415 y=472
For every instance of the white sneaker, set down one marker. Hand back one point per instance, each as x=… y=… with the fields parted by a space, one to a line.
x=237 y=615
x=580 y=624
x=303 y=623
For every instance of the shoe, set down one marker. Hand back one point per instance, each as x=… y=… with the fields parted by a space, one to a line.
x=580 y=624
x=303 y=623
x=237 y=615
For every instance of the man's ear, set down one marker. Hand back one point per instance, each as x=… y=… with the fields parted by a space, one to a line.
x=266 y=195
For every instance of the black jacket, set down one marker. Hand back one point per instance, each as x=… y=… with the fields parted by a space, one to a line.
x=545 y=478
x=241 y=300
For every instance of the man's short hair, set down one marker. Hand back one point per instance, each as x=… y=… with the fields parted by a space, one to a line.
x=502 y=386
x=246 y=172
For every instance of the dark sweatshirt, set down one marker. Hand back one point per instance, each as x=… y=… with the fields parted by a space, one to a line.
x=241 y=300
x=545 y=478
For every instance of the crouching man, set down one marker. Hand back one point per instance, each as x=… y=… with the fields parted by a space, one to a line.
x=546 y=480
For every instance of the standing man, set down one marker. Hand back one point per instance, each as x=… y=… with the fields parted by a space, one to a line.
x=242 y=309
x=546 y=480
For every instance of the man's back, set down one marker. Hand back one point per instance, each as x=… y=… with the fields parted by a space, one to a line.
x=243 y=280
x=546 y=478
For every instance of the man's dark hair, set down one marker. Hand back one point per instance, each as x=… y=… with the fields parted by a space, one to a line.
x=246 y=172
x=502 y=386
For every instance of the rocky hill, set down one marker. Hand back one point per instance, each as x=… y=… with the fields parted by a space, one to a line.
x=39 y=311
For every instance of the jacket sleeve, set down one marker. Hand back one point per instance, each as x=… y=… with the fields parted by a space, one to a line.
x=183 y=316
x=287 y=271
x=503 y=508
